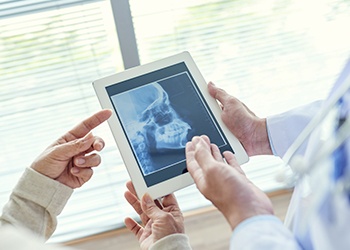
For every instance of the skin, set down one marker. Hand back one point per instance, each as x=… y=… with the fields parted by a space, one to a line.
x=249 y=129
x=224 y=183
x=158 y=219
x=217 y=176
x=70 y=158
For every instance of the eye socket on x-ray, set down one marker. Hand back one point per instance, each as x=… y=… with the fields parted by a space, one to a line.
x=159 y=118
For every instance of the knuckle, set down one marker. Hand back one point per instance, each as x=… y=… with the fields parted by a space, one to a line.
x=167 y=217
x=210 y=172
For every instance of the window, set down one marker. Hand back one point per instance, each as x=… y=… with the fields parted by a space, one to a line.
x=273 y=55
x=49 y=57
x=256 y=50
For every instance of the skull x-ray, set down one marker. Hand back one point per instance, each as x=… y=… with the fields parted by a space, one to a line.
x=163 y=128
x=152 y=124
x=159 y=113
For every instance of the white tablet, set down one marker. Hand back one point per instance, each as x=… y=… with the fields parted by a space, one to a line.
x=158 y=107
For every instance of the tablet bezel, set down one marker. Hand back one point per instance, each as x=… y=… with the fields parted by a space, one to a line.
x=183 y=180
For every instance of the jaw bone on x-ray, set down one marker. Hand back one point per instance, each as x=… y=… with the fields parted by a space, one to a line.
x=157 y=128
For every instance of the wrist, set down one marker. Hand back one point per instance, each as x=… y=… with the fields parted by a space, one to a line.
x=53 y=197
x=253 y=205
x=260 y=140
x=236 y=219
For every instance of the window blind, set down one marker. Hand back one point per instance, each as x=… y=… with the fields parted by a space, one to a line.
x=49 y=55
x=256 y=50
x=23 y=7
x=273 y=55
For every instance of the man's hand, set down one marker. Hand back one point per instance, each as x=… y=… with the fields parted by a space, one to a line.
x=249 y=129
x=159 y=220
x=224 y=183
x=69 y=159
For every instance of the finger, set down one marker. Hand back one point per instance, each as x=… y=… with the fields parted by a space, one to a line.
x=191 y=162
x=230 y=158
x=232 y=161
x=98 y=144
x=217 y=93
x=131 y=188
x=87 y=125
x=170 y=200
x=202 y=152
x=76 y=147
x=84 y=174
x=205 y=138
x=193 y=167
x=150 y=208
x=89 y=161
x=215 y=151
x=133 y=227
x=134 y=202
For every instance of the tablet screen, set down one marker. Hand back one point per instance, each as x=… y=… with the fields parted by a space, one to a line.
x=160 y=112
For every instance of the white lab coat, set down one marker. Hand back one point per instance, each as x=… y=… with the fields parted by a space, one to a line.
x=318 y=216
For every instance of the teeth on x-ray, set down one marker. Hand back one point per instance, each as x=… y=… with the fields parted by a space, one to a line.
x=159 y=127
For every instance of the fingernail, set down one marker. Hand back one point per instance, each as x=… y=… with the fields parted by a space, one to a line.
x=80 y=161
x=147 y=199
x=195 y=140
x=99 y=146
x=75 y=170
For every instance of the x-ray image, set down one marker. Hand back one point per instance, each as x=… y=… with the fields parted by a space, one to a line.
x=160 y=112
x=153 y=126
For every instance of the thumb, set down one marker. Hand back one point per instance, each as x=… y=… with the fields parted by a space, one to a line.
x=217 y=93
x=150 y=208
x=74 y=147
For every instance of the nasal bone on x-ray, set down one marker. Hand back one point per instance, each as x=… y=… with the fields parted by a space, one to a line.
x=158 y=127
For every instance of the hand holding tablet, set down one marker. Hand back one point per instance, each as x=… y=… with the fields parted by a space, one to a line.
x=158 y=107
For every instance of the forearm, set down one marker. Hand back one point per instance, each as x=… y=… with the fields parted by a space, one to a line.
x=35 y=203
x=263 y=232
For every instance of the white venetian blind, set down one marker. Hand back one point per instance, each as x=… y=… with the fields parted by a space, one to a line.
x=50 y=52
x=273 y=55
x=256 y=50
x=49 y=57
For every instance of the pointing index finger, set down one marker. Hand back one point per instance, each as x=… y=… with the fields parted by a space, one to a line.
x=87 y=125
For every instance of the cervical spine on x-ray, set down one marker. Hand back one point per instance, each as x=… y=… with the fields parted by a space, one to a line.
x=159 y=126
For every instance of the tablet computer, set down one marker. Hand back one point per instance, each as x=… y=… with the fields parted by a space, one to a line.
x=157 y=108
